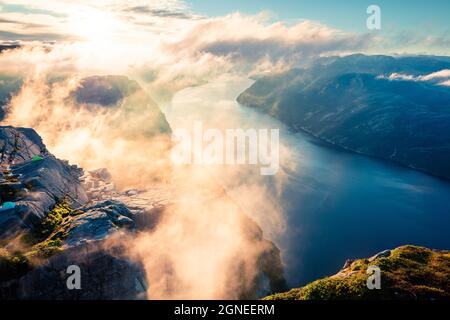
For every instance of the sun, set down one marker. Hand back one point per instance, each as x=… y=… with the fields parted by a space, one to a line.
x=93 y=25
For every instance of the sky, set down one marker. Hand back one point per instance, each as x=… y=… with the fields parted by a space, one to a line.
x=419 y=15
x=177 y=43
x=398 y=16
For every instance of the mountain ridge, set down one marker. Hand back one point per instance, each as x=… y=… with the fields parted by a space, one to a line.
x=353 y=105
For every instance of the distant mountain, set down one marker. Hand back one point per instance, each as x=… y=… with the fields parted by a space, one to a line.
x=9 y=85
x=134 y=103
x=111 y=91
x=105 y=90
x=4 y=47
x=353 y=102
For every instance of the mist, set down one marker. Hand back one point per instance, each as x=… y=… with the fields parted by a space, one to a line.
x=214 y=240
x=93 y=136
x=208 y=244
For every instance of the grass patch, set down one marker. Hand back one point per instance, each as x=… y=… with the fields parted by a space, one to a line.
x=47 y=238
x=55 y=226
x=45 y=249
x=43 y=242
x=293 y=294
x=410 y=272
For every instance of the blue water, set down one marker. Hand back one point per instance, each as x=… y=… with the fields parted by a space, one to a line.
x=342 y=205
x=337 y=204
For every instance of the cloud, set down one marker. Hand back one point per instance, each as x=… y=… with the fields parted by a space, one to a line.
x=26 y=9
x=32 y=25
x=414 y=42
x=22 y=24
x=436 y=75
x=205 y=246
x=158 y=12
x=440 y=77
x=445 y=83
x=168 y=48
x=5 y=35
x=90 y=134
x=68 y=20
x=169 y=9
x=252 y=37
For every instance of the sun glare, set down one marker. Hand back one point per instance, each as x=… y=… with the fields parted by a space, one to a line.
x=92 y=25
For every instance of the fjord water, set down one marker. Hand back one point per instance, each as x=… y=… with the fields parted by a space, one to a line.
x=337 y=205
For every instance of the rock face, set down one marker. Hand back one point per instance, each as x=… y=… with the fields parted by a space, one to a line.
x=104 y=275
x=33 y=179
x=98 y=221
x=51 y=209
x=66 y=217
x=150 y=206
x=19 y=144
x=408 y=272
x=105 y=271
x=352 y=102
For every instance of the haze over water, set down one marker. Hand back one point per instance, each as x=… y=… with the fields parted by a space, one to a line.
x=336 y=205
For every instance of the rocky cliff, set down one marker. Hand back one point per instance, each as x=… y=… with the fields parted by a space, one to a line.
x=48 y=222
x=55 y=215
x=33 y=180
x=394 y=108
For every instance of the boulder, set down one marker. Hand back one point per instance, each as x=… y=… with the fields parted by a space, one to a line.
x=19 y=145
x=101 y=174
x=98 y=221
x=35 y=186
x=382 y=254
x=104 y=275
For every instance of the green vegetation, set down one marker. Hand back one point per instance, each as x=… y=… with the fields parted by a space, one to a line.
x=47 y=238
x=410 y=272
x=45 y=249
x=54 y=226
x=13 y=265
x=42 y=242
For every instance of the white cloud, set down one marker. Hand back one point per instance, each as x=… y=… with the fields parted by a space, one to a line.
x=435 y=77
x=164 y=44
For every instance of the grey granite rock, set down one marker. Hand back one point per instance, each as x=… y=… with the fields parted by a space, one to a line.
x=382 y=254
x=99 y=221
x=104 y=275
x=36 y=184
